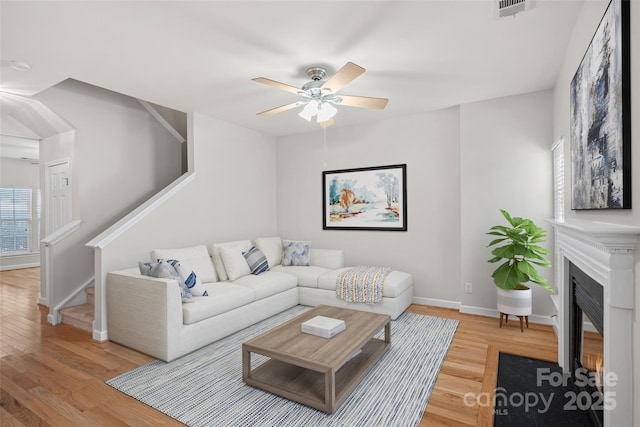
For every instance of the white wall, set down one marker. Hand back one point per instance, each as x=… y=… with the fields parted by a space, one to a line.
x=505 y=163
x=119 y=155
x=231 y=197
x=456 y=185
x=428 y=144
x=585 y=27
x=20 y=174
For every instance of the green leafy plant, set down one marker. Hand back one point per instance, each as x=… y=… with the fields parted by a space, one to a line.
x=520 y=251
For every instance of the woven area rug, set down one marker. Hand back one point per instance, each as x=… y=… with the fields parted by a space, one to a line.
x=205 y=388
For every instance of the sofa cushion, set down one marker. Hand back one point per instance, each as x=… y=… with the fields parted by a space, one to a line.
x=307 y=276
x=331 y=259
x=223 y=297
x=164 y=270
x=243 y=245
x=256 y=260
x=296 y=253
x=395 y=284
x=271 y=247
x=196 y=257
x=268 y=283
x=234 y=263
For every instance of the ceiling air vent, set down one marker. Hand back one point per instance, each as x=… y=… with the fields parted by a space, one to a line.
x=511 y=7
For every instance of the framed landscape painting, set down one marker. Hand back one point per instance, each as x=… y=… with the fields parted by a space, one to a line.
x=600 y=117
x=373 y=198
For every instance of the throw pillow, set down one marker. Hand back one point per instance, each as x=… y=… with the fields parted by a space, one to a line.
x=256 y=260
x=234 y=263
x=189 y=278
x=197 y=257
x=296 y=253
x=164 y=270
x=243 y=245
x=271 y=247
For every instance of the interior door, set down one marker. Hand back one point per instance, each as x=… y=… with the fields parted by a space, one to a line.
x=58 y=206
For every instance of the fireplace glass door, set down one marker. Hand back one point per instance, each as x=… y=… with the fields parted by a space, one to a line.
x=586 y=343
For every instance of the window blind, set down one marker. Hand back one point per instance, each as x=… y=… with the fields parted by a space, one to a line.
x=558 y=179
x=15 y=220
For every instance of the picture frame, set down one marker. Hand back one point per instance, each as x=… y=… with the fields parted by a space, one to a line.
x=600 y=116
x=368 y=198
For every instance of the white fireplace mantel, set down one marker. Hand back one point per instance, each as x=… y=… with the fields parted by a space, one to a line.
x=605 y=252
x=615 y=238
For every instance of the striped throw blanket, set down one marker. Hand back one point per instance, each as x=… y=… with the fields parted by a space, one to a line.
x=363 y=283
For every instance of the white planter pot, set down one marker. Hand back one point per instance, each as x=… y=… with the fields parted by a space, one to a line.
x=514 y=301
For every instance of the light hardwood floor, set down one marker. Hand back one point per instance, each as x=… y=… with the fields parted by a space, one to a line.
x=54 y=375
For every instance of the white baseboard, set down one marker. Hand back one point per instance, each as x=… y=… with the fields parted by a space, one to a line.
x=479 y=311
x=43 y=301
x=436 y=302
x=100 y=336
x=53 y=318
x=492 y=312
x=19 y=266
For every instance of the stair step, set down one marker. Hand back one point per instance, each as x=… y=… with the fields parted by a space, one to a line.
x=78 y=316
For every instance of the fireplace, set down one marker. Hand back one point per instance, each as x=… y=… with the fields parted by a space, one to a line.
x=603 y=255
x=586 y=344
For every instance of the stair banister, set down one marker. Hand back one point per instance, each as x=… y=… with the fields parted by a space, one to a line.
x=47 y=245
x=103 y=240
x=54 y=314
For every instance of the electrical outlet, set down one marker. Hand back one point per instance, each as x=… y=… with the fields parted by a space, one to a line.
x=468 y=288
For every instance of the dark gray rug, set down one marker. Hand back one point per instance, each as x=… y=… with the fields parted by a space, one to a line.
x=205 y=388
x=527 y=397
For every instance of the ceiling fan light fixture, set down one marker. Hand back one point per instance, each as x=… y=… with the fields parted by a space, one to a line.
x=319 y=96
x=309 y=110
x=325 y=112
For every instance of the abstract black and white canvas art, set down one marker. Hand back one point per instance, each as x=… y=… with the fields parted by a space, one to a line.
x=600 y=126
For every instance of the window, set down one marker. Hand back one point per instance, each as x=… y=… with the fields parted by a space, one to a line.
x=17 y=220
x=558 y=204
x=558 y=179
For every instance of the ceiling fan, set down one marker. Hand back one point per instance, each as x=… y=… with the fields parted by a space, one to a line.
x=319 y=96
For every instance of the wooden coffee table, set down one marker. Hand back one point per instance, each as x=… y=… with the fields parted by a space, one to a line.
x=315 y=371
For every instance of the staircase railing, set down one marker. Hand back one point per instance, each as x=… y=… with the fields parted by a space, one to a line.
x=54 y=314
x=103 y=240
x=46 y=247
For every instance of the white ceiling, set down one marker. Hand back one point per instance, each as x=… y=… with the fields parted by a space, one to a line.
x=201 y=56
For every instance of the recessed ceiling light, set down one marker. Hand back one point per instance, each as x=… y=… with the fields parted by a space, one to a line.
x=20 y=65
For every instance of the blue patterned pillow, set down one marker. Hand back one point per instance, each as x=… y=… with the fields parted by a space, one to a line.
x=296 y=253
x=164 y=270
x=189 y=278
x=257 y=260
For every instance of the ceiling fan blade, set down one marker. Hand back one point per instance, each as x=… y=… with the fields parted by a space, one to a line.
x=363 y=102
x=343 y=77
x=327 y=123
x=278 y=109
x=279 y=85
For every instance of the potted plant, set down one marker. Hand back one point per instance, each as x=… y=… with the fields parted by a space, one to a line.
x=518 y=246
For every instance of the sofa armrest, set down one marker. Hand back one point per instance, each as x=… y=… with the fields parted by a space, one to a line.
x=144 y=313
x=327 y=258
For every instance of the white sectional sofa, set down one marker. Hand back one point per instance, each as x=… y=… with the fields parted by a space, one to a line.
x=149 y=315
